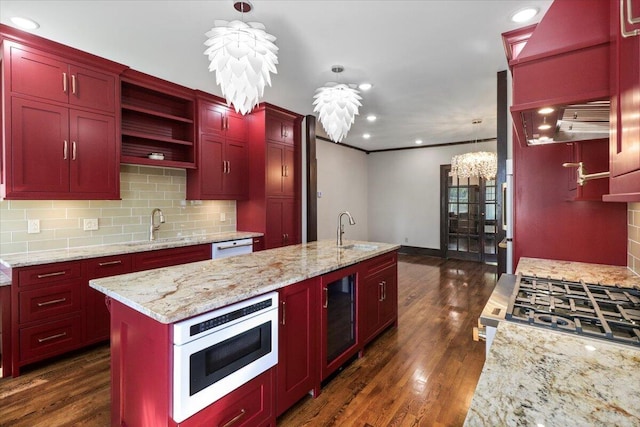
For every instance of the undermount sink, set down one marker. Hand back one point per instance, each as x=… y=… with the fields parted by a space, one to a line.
x=360 y=247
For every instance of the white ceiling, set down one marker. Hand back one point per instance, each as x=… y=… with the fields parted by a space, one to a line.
x=433 y=63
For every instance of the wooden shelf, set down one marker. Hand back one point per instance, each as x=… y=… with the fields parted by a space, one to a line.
x=156 y=113
x=152 y=137
x=132 y=160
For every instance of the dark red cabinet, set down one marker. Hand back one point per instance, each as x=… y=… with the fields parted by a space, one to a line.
x=624 y=148
x=297 y=343
x=60 y=126
x=378 y=290
x=223 y=154
x=96 y=311
x=281 y=170
x=168 y=257
x=282 y=223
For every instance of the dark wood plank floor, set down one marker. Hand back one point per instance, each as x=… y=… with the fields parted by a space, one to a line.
x=422 y=374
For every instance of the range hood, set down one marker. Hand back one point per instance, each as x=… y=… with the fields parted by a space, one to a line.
x=558 y=65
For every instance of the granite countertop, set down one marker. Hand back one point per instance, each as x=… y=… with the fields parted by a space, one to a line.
x=4 y=279
x=172 y=294
x=27 y=259
x=609 y=275
x=536 y=376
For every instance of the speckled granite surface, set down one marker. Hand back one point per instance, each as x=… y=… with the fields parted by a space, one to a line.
x=535 y=376
x=175 y=293
x=609 y=275
x=44 y=257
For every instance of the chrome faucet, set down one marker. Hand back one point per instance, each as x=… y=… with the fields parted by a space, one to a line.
x=341 y=227
x=153 y=227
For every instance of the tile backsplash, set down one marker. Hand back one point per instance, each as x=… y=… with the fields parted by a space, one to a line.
x=120 y=221
x=633 y=246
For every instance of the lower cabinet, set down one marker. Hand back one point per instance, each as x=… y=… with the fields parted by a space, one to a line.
x=297 y=367
x=168 y=257
x=282 y=225
x=249 y=405
x=378 y=296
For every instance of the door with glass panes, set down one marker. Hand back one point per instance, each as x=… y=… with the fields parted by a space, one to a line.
x=468 y=218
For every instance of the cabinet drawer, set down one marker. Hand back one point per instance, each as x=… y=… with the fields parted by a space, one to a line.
x=108 y=266
x=43 y=303
x=39 y=342
x=250 y=405
x=49 y=273
x=379 y=263
x=168 y=257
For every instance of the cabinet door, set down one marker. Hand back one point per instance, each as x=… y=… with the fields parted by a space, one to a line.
x=275 y=169
x=625 y=104
x=297 y=342
x=212 y=118
x=39 y=75
x=288 y=179
x=96 y=312
x=287 y=131
x=389 y=303
x=274 y=236
x=168 y=257
x=211 y=166
x=371 y=291
x=279 y=129
x=236 y=126
x=290 y=226
x=92 y=89
x=94 y=167
x=40 y=147
x=236 y=178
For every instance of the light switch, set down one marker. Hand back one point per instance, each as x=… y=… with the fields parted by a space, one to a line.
x=319 y=194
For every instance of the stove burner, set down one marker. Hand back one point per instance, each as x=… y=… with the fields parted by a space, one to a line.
x=584 y=309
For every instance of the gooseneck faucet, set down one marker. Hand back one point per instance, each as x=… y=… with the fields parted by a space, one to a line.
x=341 y=226
x=153 y=227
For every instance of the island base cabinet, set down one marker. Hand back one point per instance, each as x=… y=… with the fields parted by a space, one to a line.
x=297 y=344
x=249 y=405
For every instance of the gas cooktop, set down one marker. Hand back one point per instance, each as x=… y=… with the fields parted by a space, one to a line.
x=605 y=312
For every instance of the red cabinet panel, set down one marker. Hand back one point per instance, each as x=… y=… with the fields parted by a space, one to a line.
x=39 y=75
x=236 y=179
x=93 y=152
x=43 y=303
x=297 y=343
x=49 y=339
x=49 y=273
x=169 y=257
x=92 y=89
x=210 y=169
x=280 y=128
x=39 y=147
x=96 y=312
x=378 y=296
x=282 y=223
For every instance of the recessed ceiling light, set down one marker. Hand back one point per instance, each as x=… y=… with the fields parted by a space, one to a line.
x=546 y=110
x=418 y=141
x=365 y=86
x=366 y=135
x=371 y=118
x=524 y=15
x=25 y=23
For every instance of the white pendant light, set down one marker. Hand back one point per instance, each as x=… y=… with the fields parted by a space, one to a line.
x=337 y=105
x=481 y=164
x=242 y=55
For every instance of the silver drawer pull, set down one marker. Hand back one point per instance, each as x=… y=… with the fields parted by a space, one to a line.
x=235 y=246
x=235 y=419
x=52 y=337
x=53 y=301
x=57 y=273
x=103 y=264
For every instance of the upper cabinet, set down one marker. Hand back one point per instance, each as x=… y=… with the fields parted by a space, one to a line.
x=59 y=123
x=559 y=64
x=223 y=153
x=624 y=149
x=158 y=126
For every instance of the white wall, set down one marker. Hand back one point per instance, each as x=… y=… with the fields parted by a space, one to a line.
x=342 y=180
x=404 y=193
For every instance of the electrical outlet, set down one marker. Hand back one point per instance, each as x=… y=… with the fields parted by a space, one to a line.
x=90 y=224
x=33 y=226
x=319 y=194
x=406 y=240
x=223 y=217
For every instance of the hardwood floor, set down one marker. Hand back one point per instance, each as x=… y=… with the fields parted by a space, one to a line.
x=422 y=374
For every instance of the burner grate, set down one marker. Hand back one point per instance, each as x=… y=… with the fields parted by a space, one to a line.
x=576 y=307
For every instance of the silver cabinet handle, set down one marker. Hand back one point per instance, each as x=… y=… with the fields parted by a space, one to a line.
x=228 y=166
x=384 y=290
x=234 y=419
x=103 y=264
x=57 y=273
x=284 y=313
x=631 y=20
x=282 y=170
x=326 y=298
x=234 y=246
x=65 y=149
x=73 y=84
x=381 y=285
x=73 y=150
x=53 y=301
x=52 y=337
x=64 y=82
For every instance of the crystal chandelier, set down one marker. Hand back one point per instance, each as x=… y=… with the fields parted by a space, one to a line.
x=480 y=164
x=242 y=55
x=337 y=105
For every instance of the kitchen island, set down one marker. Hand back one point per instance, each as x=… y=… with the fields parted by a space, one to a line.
x=538 y=376
x=146 y=308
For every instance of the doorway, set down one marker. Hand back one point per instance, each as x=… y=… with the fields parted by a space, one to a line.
x=468 y=220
